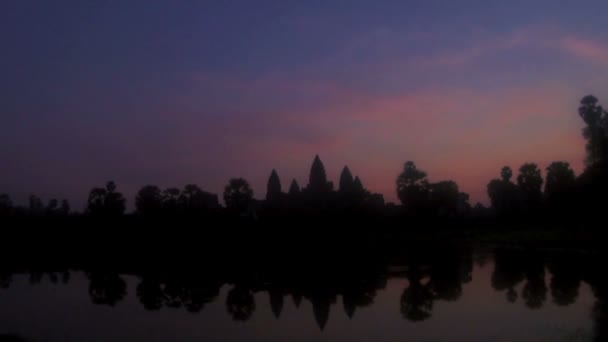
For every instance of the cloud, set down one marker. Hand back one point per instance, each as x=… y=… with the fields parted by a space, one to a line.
x=586 y=49
x=413 y=51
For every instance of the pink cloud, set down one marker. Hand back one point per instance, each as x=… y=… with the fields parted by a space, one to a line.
x=587 y=49
x=478 y=44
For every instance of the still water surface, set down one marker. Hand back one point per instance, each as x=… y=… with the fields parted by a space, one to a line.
x=486 y=302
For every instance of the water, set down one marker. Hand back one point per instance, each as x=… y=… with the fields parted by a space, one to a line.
x=502 y=297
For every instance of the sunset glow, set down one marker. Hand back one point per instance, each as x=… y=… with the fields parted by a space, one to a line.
x=149 y=92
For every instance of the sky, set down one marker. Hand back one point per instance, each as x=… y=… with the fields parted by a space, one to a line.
x=177 y=92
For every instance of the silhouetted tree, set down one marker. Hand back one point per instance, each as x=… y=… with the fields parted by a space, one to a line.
x=6 y=278
x=412 y=187
x=480 y=210
x=506 y=173
x=106 y=201
x=148 y=200
x=503 y=194
x=52 y=206
x=535 y=289
x=273 y=189
x=197 y=295
x=150 y=294
x=449 y=270
x=600 y=316
x=238 y=194
x=240 y=303
x=444 y=198
x=566 y=278
x=170 y=201
x=416 y=300
x=64 y=209
x=6 y=205
x=358 y=294
x=36 y=206
x=95 y=202
x=508 y=272
x=193 y=200
x=107 y=288
x=595 y=132
x=464 y=207
x=115 y=202
x=530 y=183
x=559 y=186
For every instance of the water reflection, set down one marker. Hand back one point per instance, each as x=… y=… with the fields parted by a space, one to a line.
x=526 y=277
x=106 y=288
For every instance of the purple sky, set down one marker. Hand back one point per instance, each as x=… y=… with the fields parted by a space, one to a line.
x=177 y=92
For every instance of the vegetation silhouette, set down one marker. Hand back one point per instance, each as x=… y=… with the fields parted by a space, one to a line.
x=432 y=272
x=530 y=184
x=560 y=188
x=106 y=288
x=330 y=228
x=238 y=195
x=105 y=202
x=240 y=303
x=149 y=200
x=504 y=195
x=564 y=197
x=595 y=132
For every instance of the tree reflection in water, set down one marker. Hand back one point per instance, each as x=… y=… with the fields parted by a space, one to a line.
x=432 y=275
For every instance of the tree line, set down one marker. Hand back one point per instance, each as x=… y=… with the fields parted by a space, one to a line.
x=563 y=191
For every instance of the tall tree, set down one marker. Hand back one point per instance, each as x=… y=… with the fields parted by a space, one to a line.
x=115 y=202
x=530 y=183
x=64 y=209
x=503 y=194
x=193 y=200
x=6 y=205
x=273 y=188
x=238 y=195
x=106 y=201
x=95 y=202
x=412 y=187
x=506 y=173
x=240 y=303
x=464 y=207
x=148 y=200
x=36 y=205
x=444 y=198
x=52 y=206
x=170 y=201
x=595 y=133
x=559 y=185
